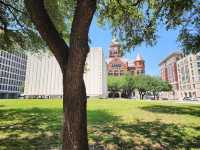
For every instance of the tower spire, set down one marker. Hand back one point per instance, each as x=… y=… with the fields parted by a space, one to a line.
x=138 y=57
x=114 y=40
x=114 y=48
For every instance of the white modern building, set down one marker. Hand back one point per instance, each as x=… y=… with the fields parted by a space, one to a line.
x=12 y=74
x=189 y=76
x=44 y=76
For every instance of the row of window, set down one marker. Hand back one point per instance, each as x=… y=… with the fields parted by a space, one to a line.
x=116 y=73
x=12 y=70
x=13 y=56
x=121 y=72
x=12 y=76
x=116 y=65
x=185 y=87
x=10 y=82
x=9 y=88
x=8 y=61
x=188 y=94
x=4 y=63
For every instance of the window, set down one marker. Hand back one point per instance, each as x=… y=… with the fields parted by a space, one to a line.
x=198 y=64
x=190 y=94
x=185 y=94
x=116 y=65
x=198 y=57
x=194 y=94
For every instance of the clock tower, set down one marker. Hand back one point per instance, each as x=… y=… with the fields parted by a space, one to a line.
x=114 y=50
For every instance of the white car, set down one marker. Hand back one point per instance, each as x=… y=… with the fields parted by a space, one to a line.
x=191 y=98
x=196 y=98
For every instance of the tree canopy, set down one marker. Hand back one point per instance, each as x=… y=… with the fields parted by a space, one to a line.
x=156 y=85
x=144 y=83
x=133 y=22
x=114 y=83
x=17 y=31
x=124 y=84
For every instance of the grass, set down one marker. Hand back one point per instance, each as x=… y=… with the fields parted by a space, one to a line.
x=112 y=124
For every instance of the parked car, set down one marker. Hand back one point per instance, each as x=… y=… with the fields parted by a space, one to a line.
x=196 y=98
x=187 y=98
x=151 y=97
x=191 y=98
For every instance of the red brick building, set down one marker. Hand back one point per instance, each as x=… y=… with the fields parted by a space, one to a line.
x=168 y=71
x=117 y=65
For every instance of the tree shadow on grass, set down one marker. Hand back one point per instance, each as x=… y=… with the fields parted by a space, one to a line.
x=30 y=129
x=109 y=132
x=183 y=110
x=39 y=129
x=159 y=135
x=100 y=117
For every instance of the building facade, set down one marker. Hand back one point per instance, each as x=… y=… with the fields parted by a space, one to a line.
x=117 y=65
x=169 y=72
x=44 y=76
x=12 y=74
x=189 y=76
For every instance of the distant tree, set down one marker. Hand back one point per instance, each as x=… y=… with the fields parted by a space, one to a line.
x=124 y=84
x=166 y=86
x=156 y=85
x=127 y=85
x=142 y=85
x=114 y=85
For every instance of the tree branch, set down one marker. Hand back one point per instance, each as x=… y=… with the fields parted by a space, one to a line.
x=10 y=6
x=47 y=30
x=82 y=19
x=132 y=4
x=137 y=3
x=16 y=19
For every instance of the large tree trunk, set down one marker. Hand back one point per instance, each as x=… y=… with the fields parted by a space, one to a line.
x=75 y=99
x=75 y=117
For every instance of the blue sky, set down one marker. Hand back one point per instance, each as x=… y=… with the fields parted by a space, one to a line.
x=166 y=44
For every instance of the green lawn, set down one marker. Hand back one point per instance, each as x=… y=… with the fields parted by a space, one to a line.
x=112 y=124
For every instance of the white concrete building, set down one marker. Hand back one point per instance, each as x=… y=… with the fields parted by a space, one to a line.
x=189 y=76
x=44 y=77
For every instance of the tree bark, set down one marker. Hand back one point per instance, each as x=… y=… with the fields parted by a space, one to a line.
x=75 y=99
x=72 y=61
x=75 y=116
